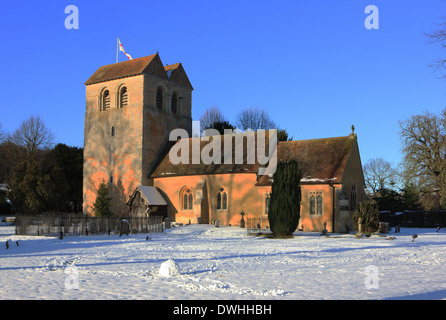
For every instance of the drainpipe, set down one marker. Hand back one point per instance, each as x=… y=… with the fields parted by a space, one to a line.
x=334 y=207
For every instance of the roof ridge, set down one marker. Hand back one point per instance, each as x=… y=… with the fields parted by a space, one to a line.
x=132 y=61
x=315 y=139
x=121 y=69
x=172 y=66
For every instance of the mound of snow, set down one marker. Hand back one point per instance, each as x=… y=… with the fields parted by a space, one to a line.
x=169 y=269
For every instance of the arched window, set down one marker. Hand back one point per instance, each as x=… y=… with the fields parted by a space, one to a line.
x=123 y=97
x=174 y=103
x=187 y=199
x=353 y=197
x=222 y=199
x=159 y=98
x=105 y=100
x=113 y=131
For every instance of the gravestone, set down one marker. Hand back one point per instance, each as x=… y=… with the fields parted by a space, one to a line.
x=324 y=232
x=125 y=228
x=383 y=227
x=242 y=221
x=167 y=223
x=217 y=223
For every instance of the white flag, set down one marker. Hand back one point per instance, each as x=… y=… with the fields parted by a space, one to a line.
x=121 y=48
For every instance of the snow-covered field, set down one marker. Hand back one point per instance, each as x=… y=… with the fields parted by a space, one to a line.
x=225 y=264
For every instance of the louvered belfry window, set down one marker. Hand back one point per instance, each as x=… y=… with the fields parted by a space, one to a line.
x=123 y=97
x=159 y=98
x=174 y=103
x=106 y=100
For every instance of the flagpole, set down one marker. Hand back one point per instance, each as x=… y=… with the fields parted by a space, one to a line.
x=117 y=49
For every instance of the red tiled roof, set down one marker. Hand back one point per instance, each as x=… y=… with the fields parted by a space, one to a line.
x=172 y=66
x=166 y=168
x=121 y=70
x=150 y=64
x=321 y=161
x=176 y=73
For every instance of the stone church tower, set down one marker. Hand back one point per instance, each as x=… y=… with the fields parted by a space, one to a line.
x=131 y=108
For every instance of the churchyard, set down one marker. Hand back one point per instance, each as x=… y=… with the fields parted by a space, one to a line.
x=224 y=263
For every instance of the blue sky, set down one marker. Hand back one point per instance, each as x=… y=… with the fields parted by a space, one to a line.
x=312 y=65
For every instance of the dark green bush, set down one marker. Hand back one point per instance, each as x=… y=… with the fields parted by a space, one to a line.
x=284 y=210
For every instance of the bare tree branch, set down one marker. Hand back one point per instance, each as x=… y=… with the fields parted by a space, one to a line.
x=424 y=150
x=439 y=36
x=254 y=119
x=210 y=116
x=33 y=135
x=379 y=174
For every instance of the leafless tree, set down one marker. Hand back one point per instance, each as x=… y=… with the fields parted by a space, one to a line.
x=211 y=115
x=379 y=174
x=424 y=150
x=254 y=119
x=439 y=37
x=33 y=135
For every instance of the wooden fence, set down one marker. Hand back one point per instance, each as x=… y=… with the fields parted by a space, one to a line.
x=81 y=225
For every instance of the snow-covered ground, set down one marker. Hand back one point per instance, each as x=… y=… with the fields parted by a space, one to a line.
x=224 y=263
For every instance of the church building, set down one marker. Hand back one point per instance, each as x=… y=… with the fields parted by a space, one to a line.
x=131 y=109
